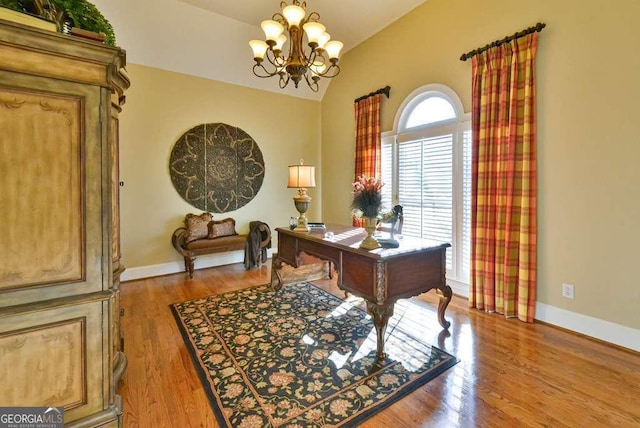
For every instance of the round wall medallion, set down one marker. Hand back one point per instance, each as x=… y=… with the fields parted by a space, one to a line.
x=216 y=167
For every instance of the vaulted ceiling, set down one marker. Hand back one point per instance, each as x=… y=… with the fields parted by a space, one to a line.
x=209 y=38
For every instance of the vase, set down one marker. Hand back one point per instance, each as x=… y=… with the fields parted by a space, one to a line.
x=370 y=242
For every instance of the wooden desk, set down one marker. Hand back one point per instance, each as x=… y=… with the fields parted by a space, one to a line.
x=379 y=276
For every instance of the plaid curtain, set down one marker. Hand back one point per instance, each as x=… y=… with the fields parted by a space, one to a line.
x=503 y=217
x=368 y=142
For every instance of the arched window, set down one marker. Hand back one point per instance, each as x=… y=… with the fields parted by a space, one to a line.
x=426 y=160
x=431 y=109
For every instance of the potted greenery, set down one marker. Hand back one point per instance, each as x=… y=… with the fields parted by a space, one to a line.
x=86 y=16
x=67 y=13
x=12 y=4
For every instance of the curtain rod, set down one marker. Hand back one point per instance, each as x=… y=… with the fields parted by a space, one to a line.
x=538 y=27
x=384 y=90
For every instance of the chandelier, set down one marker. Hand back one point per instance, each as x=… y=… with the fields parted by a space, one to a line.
x=320 y=59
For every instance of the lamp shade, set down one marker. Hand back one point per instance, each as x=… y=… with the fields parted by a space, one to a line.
x=302 y=176
x=293 y=14
x=272 y=29
x=280 y=41
x=259 y=48
x=314 y=31
x=324 y=38
x=333 y=48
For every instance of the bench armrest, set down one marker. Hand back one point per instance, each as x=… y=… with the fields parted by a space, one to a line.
x=177 y=240
x=266 y=232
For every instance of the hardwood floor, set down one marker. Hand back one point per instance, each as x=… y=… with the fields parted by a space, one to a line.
x=510 y=374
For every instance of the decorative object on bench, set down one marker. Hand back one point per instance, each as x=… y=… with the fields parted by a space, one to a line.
x=197 y=226
x=216 y=167
x=201 y=235
x=258 y=240
x=220 y=228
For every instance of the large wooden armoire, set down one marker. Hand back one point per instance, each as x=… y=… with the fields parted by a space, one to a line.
x=60 y=339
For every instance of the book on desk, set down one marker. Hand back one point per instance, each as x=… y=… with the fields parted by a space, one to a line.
x=316 y=226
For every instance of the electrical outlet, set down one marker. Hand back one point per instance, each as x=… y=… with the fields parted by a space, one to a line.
x=568 y=291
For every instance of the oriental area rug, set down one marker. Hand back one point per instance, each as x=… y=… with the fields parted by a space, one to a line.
x=298 y=357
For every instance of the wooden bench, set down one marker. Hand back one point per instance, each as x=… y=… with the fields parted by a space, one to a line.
x=190 y=248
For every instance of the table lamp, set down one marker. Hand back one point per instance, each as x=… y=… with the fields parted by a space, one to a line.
x=302 y=177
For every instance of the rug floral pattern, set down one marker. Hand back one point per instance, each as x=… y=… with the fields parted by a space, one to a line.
x=298 y=357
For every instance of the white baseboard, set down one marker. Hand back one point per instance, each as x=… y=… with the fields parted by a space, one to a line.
x=606 y=331
x=141 y=272
x=459 y=288
x=616 y=334
x=201 y=262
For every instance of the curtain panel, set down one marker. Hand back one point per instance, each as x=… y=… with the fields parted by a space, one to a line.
x=504 y=195
x=368 y=141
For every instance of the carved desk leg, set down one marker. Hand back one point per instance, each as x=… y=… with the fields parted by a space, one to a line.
x=381 y=315
x=445 y=294
x=276 y=279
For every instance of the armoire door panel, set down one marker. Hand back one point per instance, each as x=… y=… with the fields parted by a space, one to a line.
x=51 y=189
x=52 y=354
x=42 y=207
x=53 y=358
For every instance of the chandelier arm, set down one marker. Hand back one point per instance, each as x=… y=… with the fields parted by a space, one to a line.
x=278 y=17
x=274 y=60
x=256 y=71
x=313 y=17
x=313 y=85
x=311 y=57
x=333 y=68
x=283 y=81
x=279 y=61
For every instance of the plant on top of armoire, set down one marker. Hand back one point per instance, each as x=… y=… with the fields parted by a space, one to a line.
x=86 y=16
x=73 y=13
x=12 y=4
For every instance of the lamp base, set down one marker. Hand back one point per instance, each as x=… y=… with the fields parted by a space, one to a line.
x=302 y=224
x=302 y=202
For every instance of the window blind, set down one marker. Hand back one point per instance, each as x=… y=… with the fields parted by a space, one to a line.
x=425 y=178
x=387 y=174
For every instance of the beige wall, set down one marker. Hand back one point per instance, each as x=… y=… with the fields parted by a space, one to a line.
x=588 y=74
x=160 y=107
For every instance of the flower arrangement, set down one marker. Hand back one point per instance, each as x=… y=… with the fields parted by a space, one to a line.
x=367 y=196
